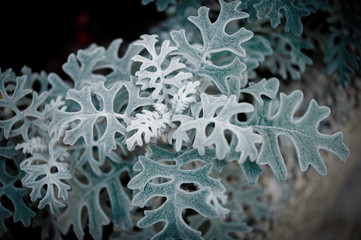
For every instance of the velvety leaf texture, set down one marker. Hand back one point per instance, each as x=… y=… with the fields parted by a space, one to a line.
x=215 y=39
x=163 y=81
x=121 y=66
x=250 y=169
x=16 y=194
x=87 y=195
x=238 y=186
x=45 y=170
x=219 y=229
x=89 y=114
x=271 y=9
x=302 y=132
x=288 y=59
x=161 y=4
x=204 y=200
x=13 y=102
x=217 y=111
x=268 y=88
x=242 y=193
x=339 y=58
x=149 y=125
x=82 y=73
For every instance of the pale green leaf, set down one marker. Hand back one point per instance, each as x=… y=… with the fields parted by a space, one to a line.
x=204 y=200
x=14 y=103
x=271 y=9
x=218 y=111
x=21 y=212
x=302 y=132
x=87 y=195
x=215 y=39
x=88 y=114
x=152 y=73
x=47 y=170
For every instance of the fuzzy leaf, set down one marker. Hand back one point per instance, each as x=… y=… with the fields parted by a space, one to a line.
x=161 y=4
x=248 y=6
x=95 y=58
x=87 y=196
x=238 y=186
x=288 y=57
x=89 y=114
x=210 y=191
x=159 y=78
x=82 y=74
x=45 y=169
x=218 y=229
x=242 y=193
x=13 y=103
x=339 y=57
x=16 y=194
x=149 y=125
x=58 y=86
x=94 y=156
x=303 y=133
x=31 y=78
x=215 y=39
x=217 y=111
x=250 y=169
x=35 y=144
x=257 y=49
x=181 y=101
x=271 y=9
x=121 y=66
x=264 y=87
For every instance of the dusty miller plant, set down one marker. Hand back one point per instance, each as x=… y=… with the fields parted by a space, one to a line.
x=171 y=135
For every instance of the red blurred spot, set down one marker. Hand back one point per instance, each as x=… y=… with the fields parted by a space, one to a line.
x=82 y=23
x=82 y=38
x=83 y=19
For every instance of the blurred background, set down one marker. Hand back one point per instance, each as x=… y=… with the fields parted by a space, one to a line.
x=42 y=36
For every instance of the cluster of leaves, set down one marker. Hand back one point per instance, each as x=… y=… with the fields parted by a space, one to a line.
x=287 y=40
x=173 y=127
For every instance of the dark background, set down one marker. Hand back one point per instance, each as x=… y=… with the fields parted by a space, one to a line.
x=42 y=36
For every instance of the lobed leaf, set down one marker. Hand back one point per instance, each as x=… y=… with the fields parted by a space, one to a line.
x=152 y=74
x=302 y=132
x=89 y=114
x=46 y=170
x=243 y=193
x=268 y=88
x=21 y=212
x=14 y=102
x=271 y=9
x=87 y=195
x=218 y=111
x=219 y=229
x=80 y=67
x=288 y=57
x=339 y=57
x=148 y=125
x=215 y=39
x=204 y=200
x=121 y=66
